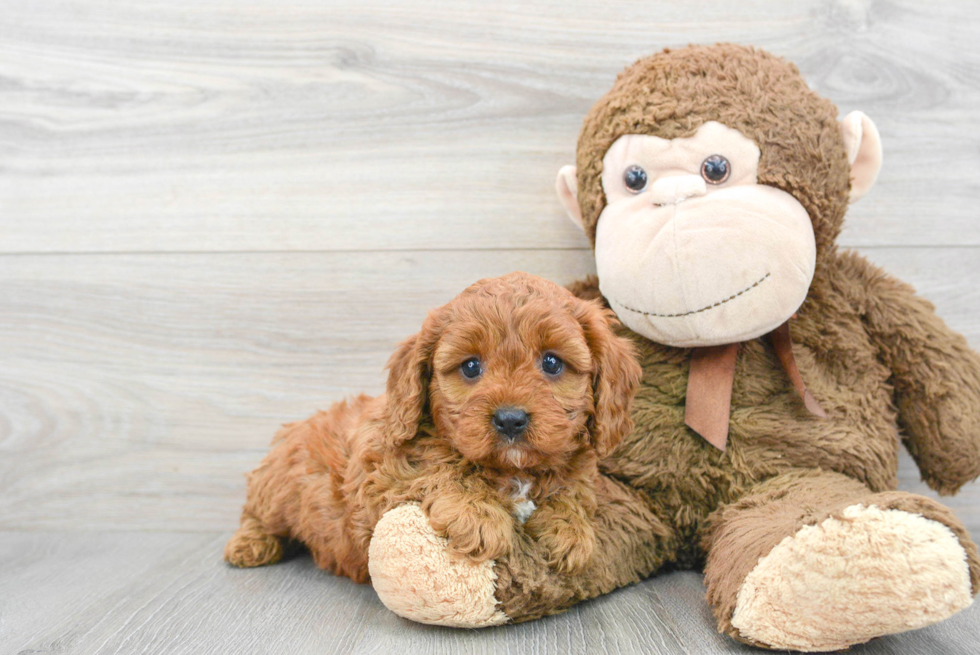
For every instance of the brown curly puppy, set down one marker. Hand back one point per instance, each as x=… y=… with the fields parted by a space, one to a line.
x=494 y=417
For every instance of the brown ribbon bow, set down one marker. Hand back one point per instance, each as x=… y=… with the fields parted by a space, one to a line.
x=709 y=386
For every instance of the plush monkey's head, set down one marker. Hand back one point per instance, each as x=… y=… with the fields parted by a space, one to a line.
x=712 y=181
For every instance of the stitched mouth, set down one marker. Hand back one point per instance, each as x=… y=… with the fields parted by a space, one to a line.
x=696 y=311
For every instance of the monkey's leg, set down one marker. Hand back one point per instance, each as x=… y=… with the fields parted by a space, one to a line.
x=815 y=561
x=416 y=578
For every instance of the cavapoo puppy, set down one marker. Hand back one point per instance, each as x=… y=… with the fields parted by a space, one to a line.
x=494 y=417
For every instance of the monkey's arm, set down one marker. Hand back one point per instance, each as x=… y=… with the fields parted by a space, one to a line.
x=935 y=373
x=632 y=542
x=416 y=580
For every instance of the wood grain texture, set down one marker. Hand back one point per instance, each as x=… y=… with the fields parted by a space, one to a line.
x=169 y=593
x=187 y=125
x=136 y=390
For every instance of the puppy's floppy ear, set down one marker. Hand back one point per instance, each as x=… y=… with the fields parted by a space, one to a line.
x=615 y=376
x=409 y=372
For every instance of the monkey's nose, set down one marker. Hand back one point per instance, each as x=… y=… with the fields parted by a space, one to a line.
x=510 y=422
x=676 y=188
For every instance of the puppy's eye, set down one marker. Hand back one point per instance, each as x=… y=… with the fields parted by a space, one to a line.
x=551 y=364
x=715 y=169
x=635 y=179
x=471 y=368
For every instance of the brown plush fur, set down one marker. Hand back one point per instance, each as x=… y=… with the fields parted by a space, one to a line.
x=329 y=479
x=739 y=534
x=883 y=365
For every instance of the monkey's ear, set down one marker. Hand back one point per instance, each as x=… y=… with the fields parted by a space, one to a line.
x=567 y=187
x=863 y=151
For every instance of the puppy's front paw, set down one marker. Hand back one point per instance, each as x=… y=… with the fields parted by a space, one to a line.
x=570 y=542
x=578 y=555
x=480 y=531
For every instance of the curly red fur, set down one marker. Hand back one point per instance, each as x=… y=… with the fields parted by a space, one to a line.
x=429 y=438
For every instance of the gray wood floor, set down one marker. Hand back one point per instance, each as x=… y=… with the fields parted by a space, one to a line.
x=217 y=217
x=142 y=592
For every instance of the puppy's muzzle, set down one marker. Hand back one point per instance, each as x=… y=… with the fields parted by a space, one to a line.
x=510 y=422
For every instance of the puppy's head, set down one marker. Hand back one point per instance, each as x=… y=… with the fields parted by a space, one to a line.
x=517 y=373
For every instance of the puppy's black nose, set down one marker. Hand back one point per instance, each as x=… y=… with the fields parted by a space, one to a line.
x=510 y=422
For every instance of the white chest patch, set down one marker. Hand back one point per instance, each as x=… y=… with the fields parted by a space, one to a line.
x=523 y=507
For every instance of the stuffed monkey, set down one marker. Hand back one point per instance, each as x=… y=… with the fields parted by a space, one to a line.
x=780 y=376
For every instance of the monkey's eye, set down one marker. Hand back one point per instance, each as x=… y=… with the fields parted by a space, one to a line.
x=471 y=368
x=551 y=364
x=715 y=169
x=635 y=179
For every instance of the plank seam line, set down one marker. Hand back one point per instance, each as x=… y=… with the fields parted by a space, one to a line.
x=105 y=253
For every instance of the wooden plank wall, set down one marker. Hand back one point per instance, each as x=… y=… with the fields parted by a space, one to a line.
x=216 y=217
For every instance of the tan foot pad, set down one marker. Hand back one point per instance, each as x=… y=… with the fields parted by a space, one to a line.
x=416 y=579
x=869 y=573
